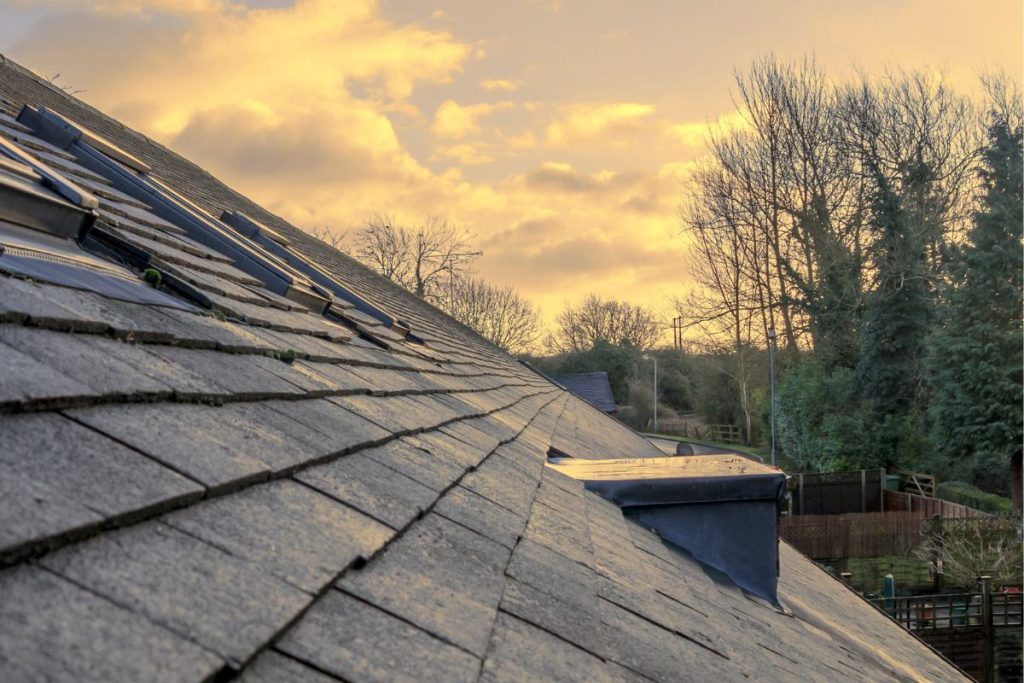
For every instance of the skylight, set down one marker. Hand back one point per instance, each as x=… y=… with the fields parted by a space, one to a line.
x=44 y=217
x=279 y=245
x=253 y=248
x=131 y=176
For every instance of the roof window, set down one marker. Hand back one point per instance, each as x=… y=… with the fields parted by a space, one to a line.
x=35 y=196
x=132 y=176
x=44 y=218
x=278 y=245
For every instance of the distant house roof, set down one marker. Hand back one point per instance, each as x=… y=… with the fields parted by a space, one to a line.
x=243 y=471
x=592 y=387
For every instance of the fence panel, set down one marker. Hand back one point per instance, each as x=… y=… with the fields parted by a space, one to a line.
x=898 y=501
x=836 y=493
x=868 y=534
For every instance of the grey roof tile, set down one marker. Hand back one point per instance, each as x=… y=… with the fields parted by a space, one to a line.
x=467 y=433
x=481 y=515
x=34 y=511
x=390 y=381
x=684 y=619
x=55 y=631
x=107 y=366
x=381 y=492
x=273 y=436
x=565 y=615
x=343 y=429
x=302 y=375
x=81 y=465
x=440 y=576
x=26 y=379
x=270 y=666
x=22 y=300
x=190 y=587
x=360 y=643
x=565 y=533
x=521 y=652
x=439 y=444
x=553 y=573
x=287 y=529
x=338 y=377
x=233 y=374
x=659 y=654
x=500 y=481
x=214 y=333
x=432 y=469
x=493 y=428
x=194 y=440
x=396 y=414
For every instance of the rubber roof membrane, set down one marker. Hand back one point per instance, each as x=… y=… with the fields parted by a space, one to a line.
x=238 y=486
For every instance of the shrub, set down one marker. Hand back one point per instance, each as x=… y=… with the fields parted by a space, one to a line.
x=971 y=496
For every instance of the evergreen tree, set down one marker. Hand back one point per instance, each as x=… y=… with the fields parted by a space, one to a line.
x=897 y=316
x=976 y=352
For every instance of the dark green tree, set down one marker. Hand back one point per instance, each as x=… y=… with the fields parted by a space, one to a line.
x=898 y=314
x=822 y=424
x=975 y=357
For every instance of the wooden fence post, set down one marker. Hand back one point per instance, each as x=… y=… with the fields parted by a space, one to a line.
x=801 y=484
x=988 y=630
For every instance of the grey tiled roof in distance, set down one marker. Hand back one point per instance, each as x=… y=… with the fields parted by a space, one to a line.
x=592 y=387
x=181 y=503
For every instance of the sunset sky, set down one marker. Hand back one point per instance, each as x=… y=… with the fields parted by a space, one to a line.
x=560 y=132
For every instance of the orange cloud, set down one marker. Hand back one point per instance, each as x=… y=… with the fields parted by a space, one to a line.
x=580 y=122
x=454 y=121
x=501 y=84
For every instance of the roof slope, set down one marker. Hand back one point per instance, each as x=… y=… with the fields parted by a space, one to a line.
x=592 y=387
x=180 y=504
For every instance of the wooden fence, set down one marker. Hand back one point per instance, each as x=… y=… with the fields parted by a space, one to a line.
x=835 y=493
x=863 y=534
x=896 y=501
x=693 y=429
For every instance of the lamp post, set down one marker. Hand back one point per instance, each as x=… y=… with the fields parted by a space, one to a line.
x=652 y=358
x=771 y=372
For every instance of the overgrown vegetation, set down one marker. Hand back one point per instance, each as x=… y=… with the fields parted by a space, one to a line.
x=876 y=225
x=871 y=229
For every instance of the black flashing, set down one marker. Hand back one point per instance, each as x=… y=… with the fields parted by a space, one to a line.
x=723 y=509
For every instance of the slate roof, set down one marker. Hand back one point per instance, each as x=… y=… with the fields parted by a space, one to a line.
x=179 y=504
x=592 y=387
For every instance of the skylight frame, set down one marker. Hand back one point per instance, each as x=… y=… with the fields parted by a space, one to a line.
x=131 y=176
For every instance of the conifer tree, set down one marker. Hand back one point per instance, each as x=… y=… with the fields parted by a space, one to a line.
x=976 y=352
x=898 y=312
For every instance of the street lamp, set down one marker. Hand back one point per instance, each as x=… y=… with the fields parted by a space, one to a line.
x=771 y=372
x=652 y=358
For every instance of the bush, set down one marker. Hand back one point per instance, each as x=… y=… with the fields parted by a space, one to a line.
x=971 y=496
x=821 y=425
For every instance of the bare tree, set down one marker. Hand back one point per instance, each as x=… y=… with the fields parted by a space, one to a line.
x=974 y=546
x=911 y=130
x=792 y=188
x=617 y=322
x=499 y=314
x=69 y=89
x=424 y=259
x=331 y=237
x=728 y=305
